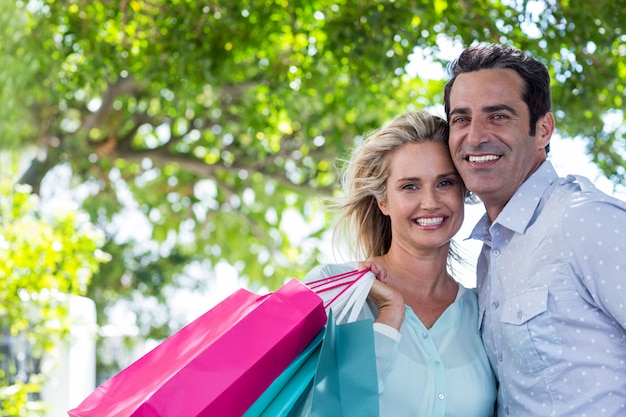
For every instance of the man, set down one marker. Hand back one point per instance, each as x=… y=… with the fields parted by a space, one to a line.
x=552 y=271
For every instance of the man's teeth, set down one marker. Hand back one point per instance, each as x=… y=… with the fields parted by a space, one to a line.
x=431 y=221
x=482 y=158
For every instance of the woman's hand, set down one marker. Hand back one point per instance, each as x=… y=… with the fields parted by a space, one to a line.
x=377 y=269
x=390 y=304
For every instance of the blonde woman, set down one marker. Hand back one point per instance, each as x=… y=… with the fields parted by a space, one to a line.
x=404 y=202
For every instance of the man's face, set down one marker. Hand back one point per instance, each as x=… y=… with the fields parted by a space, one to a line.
x=490 y=142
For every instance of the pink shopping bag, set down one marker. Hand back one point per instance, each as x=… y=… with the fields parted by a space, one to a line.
x=217 y=365
x=344 y=294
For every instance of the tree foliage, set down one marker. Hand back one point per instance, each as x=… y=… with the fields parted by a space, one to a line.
x=219 y=118
x=44 y=258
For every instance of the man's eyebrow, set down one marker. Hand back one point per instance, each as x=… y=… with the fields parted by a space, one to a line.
x=460 y=110
x=499 y=107
x=486 y=109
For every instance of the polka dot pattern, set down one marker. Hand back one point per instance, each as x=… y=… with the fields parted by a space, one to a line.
x=552 y=295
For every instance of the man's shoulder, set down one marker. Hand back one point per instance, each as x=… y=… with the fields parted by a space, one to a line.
x=580 y=207
x=580 y=192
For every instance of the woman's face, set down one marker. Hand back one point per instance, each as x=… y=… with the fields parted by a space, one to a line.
x=425 y=197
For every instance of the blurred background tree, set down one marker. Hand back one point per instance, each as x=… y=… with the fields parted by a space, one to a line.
x=44 y=259
x=219 y=121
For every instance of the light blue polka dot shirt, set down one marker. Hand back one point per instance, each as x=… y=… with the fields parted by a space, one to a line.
x=552 y=297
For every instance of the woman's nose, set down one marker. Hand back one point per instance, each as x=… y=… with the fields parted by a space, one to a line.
x=430 y=199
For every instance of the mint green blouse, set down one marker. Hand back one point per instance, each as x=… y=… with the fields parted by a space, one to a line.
x=436 y=372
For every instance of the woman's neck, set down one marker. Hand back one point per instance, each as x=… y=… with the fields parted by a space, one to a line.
x=424 y=281
x=424 y=273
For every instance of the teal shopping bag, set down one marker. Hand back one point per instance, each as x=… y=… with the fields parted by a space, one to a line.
x=285 y=396
x=346 y=382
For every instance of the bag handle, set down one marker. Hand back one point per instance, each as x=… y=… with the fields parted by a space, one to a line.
x=344 y=293
x=323 y=281
x=336 y=281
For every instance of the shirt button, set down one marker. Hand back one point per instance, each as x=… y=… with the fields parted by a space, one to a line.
x=437 y=363
x=495 y=305
x=441 y=396
x=496 y=252
x=499 y=357
x=506 y=410
x=424 y=335
x=519 y=314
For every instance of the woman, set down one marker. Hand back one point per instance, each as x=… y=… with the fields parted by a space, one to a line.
x=403 y=204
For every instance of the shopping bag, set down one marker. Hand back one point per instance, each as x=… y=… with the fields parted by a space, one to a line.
x=287 y=393
x=217 y=365
x=346 y=382
x=290 y=394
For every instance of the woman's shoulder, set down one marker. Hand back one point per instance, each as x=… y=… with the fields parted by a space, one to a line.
x=328 y=270
x=467 y=297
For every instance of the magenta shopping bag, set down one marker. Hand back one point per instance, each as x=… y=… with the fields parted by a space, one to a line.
x=217 y=365
x=333 y=359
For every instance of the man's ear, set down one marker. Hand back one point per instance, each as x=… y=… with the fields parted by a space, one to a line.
x=545 y=128
x=382 y=205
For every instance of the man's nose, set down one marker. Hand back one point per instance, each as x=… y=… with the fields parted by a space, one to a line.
x=477 y=133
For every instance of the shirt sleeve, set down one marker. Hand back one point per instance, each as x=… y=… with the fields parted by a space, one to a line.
x=593 y=233
x=388 y=331
x=386 y=343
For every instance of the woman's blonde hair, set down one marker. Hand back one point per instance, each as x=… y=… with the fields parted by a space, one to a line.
x=364 y=181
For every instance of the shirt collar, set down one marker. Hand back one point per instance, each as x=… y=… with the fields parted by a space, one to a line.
x=520 y=209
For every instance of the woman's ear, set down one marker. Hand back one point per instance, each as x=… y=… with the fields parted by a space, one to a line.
x=382 y=205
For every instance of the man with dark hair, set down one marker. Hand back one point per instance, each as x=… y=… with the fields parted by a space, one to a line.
x=551 y=275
